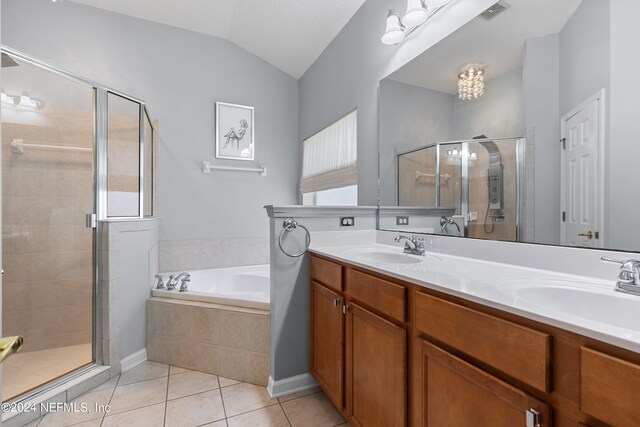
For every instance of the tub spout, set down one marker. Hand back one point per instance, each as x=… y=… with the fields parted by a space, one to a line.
x=173 y=280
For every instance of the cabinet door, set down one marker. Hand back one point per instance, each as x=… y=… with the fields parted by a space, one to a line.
x=457 y=394
x=326 y=341
x=376 y=376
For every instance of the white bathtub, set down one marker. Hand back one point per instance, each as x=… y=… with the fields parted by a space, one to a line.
x=247 y=286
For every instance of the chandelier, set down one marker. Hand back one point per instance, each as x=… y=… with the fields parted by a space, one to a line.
x=471 y=82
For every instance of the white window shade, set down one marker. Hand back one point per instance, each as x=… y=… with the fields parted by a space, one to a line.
x=330 y=157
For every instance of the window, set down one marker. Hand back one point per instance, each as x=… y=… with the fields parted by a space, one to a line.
x=329 y=165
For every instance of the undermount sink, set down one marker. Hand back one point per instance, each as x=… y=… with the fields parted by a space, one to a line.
x=607 y=307
x=391 y=257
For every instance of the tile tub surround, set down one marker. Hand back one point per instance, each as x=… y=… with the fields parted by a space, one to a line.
x=216 y=339
x=155 y=394
x=181 y=255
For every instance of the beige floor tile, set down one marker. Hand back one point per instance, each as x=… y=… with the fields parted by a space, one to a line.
x=108 y=384
x=226 y=382
x=271 y=416
x=241 y=398
x=192 y=382
x=221 y=423
x=195 y=410
x=176 y=370
x=66 y=418
x=137 y=395
x=149 y=416
x=144 y=371
x=33 y=423
x=312 y=410
x=299 y=394
x=93 y=423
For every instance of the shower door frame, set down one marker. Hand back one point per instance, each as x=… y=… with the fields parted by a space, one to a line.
x=98 y=218
x=520 y=160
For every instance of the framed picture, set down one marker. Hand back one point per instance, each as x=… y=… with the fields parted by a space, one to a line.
x=234 y=132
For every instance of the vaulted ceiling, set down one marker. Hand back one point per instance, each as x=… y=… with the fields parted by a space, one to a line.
x=289 y=34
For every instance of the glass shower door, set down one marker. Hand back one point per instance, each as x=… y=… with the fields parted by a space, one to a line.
x=48 y=128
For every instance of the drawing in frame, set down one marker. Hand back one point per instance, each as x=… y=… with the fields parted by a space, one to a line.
x=234 y=132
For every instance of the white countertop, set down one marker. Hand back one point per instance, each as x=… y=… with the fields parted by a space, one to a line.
x=583 y=305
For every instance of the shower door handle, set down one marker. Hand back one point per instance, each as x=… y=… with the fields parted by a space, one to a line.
x=9 y=346
x=92 y=220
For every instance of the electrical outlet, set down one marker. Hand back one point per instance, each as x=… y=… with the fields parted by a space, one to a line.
x=402 y=220
x=347 y=221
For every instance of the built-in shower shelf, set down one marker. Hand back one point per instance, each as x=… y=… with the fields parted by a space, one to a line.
x=207 y=167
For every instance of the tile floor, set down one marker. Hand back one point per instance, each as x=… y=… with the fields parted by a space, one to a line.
x=154 y=394
x=24 y=371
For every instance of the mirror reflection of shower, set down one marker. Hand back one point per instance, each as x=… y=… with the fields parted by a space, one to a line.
x=495 y=186
x=479 y=178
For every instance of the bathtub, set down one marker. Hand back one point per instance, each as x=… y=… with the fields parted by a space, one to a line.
x=247 y=286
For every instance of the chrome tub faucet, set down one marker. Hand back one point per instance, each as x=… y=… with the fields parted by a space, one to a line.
x=183 y=278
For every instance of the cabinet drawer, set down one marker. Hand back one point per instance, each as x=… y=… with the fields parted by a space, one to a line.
x=609 y=388
x=326 y=272
x=385 y=297
x=518 y=351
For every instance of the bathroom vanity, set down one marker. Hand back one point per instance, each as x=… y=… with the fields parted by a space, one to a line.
x=395 y=341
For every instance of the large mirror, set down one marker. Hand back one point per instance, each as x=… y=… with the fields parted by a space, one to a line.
x=503 y=130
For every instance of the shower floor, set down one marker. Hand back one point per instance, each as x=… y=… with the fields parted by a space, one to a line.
x=25 y=371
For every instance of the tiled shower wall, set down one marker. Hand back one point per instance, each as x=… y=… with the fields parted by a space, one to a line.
x=47 y=253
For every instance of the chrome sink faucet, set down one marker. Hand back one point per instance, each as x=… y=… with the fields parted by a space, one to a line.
x=412 y=245
x=629 y=277
x=184 y=278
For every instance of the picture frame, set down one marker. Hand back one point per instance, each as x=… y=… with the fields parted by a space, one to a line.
x=234 y=132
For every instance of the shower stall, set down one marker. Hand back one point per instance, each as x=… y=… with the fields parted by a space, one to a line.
x=74 y=154
x=481 y=178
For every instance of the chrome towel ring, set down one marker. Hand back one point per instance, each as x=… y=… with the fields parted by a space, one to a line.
x=289 y=225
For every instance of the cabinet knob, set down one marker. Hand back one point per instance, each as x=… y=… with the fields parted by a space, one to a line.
x=336 y=302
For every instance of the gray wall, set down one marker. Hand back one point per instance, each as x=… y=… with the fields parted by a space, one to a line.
x=135 y=254
x=410 y=117
x=180 y=74
x=541 y=89
x=498 y=113
x=624 y=150
x=347 y=74
x=584 y=54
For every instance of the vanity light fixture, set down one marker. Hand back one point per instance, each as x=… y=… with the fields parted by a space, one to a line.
x=471 y=82
x=418 y=12
x=456 y=153
x=25 y=101
x=22 y=101
x=6 y=99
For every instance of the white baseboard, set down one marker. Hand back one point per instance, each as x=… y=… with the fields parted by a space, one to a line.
x=290 y=385
x=133 y=360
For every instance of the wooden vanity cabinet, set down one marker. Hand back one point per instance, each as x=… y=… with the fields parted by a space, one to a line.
x=391 y=353
x=456 y=393
x=376 y=375
x=326 y=338
x=359 y=357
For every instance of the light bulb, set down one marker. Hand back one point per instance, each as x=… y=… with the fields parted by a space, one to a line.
x=416 y=14
x=394 y=33
x=436 y=3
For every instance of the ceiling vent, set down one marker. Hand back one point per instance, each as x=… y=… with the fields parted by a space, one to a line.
x=7 y=61
x=495 y=10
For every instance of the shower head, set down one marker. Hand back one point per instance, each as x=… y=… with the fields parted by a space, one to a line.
x=7 y=61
